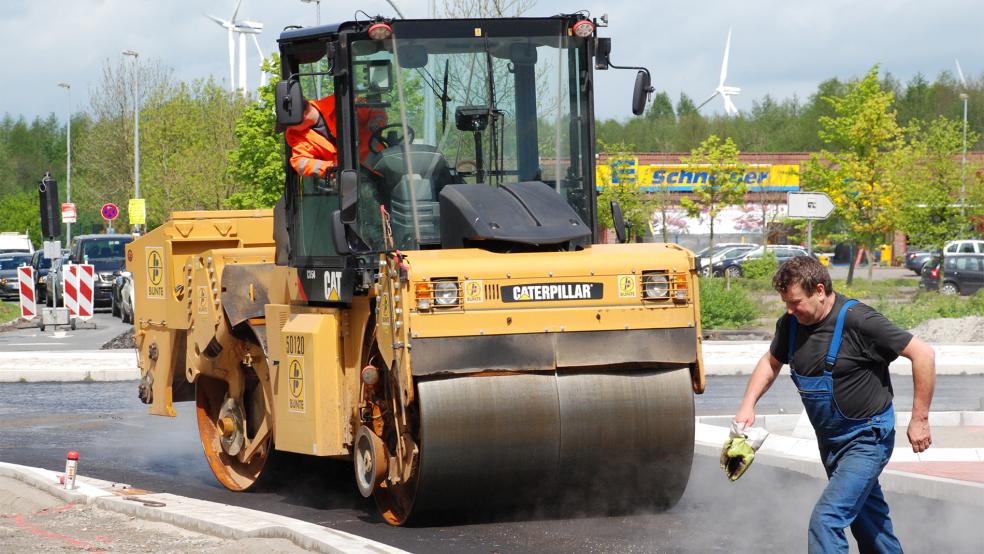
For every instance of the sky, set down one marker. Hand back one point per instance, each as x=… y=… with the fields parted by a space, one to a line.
x=778 y=47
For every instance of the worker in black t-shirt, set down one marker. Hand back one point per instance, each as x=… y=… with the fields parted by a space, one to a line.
x=838 y=351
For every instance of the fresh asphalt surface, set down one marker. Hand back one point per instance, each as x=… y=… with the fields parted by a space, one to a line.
x=766 y=511
x=27 y=337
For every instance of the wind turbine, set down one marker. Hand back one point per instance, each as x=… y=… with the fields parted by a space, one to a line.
x=722 y=90
x=243 y=28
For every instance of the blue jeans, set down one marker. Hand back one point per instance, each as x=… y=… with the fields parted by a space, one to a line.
x=854 y=452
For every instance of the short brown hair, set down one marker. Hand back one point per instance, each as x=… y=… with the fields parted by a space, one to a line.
x=806 y=271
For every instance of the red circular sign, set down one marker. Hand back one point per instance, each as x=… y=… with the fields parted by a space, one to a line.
x=110 y=211
x=129 y=255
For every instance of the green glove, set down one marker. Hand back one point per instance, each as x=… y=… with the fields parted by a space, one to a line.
x=736 y=456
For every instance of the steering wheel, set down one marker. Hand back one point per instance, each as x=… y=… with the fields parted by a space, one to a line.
x=378 y=141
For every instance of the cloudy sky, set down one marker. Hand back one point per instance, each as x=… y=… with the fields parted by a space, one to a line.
x=779 y=47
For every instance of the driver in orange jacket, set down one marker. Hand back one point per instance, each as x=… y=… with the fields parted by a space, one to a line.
x=313 y=144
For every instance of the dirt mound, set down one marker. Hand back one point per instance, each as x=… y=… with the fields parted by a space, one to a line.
x=123 y=340
x=951 y=330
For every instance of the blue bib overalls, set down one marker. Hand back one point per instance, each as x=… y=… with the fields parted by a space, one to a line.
x=853 y=452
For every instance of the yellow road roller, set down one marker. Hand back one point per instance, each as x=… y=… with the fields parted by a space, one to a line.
x=437 y=307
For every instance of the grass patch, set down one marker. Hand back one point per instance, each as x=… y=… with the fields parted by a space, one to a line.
x=932 y=305
x=725 y=308
x=9 y=311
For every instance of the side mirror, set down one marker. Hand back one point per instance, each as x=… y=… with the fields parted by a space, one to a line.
x=290 y=104
x=603 y=49
x=618 y=221
x=348 y=188
x=641 y=92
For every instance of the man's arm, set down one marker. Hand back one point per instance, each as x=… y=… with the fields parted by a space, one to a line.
x=923 y=359
x=762 y=377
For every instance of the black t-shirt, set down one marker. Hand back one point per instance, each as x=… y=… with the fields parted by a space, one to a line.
x=870 y=342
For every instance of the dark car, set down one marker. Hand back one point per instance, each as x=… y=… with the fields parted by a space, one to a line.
x=53 y=284
x=962 y=274
x=733 y=266
x=917 y=258
x=41 y=267
x=9 y=287
x=107 y=254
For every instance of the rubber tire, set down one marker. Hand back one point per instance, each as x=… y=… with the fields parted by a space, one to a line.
x=949 y=288
x=71 y=323
x=734 y=272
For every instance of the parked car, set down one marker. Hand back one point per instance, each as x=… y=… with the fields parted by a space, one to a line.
x=968 y=246
x=9 y=287
x=962 y=274
x=41 y=267
x=720 y=252
x=106 y=253
x=916 y=258
x=732 y=267
x=122 y=296
x=53 y=285
x=15 y=243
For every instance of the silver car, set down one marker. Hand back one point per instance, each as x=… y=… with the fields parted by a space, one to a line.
x=53 y=284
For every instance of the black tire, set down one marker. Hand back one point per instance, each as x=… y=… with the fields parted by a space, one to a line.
x=71 y=323
x=949 y=288
x=734 y=272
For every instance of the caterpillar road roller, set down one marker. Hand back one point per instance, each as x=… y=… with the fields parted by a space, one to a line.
x=438 y=307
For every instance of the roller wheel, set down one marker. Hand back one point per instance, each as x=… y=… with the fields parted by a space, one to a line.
x=212 y=405
x=371 y=461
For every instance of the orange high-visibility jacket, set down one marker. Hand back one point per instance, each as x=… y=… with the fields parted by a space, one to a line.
x=312 y=153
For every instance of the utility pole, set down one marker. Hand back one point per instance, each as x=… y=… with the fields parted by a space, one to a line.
x=68 y=163
x=136 y=128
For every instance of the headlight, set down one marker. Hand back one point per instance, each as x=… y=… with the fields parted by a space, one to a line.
x=446 y=293
x=655 y=285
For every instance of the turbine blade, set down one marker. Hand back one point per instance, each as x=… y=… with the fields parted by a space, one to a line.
x=235 y=13
x=242 y=63
x=218 y=20
x=724 y=64
x=729 y=106
x=704 y=103
x=960 y=74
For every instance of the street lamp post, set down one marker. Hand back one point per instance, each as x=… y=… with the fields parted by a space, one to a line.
x=963 y=161
x=68 y=163
x=136 y=127
x=317 y=4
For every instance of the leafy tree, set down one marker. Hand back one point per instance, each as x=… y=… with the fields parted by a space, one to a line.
x=724 y=186
x=661 y=107
x=19 y=212
x=630 y=197
x=855 y=172
x=929 y=175
x=258 y=162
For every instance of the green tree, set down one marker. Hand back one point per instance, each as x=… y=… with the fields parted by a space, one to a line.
x=929 y=178
x=258 y=162
x=20 y=212
x=661 y=107
x=724 y=186
x=630 y=197
x=855 y=171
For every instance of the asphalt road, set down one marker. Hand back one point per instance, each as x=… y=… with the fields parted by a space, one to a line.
x=766 y=511
x=90 y=335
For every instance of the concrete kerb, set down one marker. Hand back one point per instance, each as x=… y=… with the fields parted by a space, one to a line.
x=211 y=518
x=799 y=454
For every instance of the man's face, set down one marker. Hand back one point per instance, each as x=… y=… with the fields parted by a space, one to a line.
x=807 y=307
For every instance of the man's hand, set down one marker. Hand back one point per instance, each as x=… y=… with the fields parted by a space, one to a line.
x=919 y=435
x=745 y=416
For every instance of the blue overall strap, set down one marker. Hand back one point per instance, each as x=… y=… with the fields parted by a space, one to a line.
x=792 y=337
x=835 y=342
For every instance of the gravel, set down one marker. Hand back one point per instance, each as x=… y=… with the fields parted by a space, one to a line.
x=123 y=340
x=951 y=330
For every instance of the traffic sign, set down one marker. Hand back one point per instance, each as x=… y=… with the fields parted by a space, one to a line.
x=68 y=212
x=110 y=211
x=809 y=205
x=137 y=208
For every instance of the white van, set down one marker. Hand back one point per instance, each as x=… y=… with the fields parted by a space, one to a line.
x=15 y=242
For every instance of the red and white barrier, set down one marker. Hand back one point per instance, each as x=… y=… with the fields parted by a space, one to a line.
x=28 y=302
x=79 y=290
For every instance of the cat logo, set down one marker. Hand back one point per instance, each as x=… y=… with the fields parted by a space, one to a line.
x=333 y=284
x=626 y=286
x=155 y=272
x=295 y=382
x=473 y=292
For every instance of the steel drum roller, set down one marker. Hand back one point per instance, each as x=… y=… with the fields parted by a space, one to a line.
x=617 y=439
